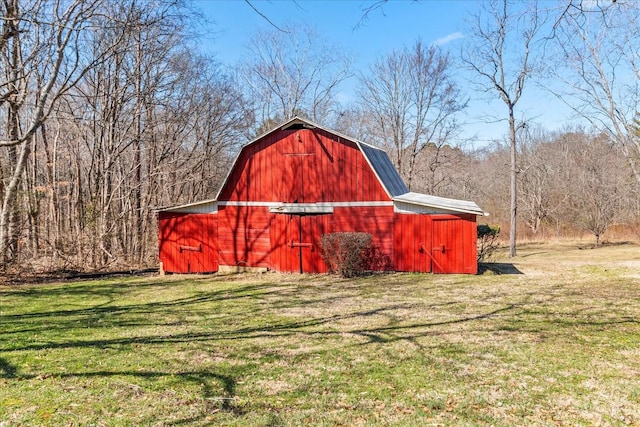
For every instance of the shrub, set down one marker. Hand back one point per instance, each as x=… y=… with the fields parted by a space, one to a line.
x=487 y=240
x=347 y=253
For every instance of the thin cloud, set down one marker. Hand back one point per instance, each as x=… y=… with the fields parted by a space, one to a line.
x=448 y=39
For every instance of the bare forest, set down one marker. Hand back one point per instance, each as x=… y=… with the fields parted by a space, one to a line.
x=109 y=111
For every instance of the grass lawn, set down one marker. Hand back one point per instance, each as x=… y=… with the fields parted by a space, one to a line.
x=553 y=341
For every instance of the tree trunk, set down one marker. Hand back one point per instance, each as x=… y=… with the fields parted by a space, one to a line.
x=8 y=236
x=513 y=185
x=137 y=247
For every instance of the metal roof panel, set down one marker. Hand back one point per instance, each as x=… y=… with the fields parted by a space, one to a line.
x=384 y=170
x=455 y=205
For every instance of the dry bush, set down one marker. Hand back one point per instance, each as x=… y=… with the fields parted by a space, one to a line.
x=487 y=241
x=347 y=253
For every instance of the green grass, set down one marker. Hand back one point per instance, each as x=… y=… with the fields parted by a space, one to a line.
x=558 y=344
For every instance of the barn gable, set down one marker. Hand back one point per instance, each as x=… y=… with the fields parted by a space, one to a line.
x=300 y=162
x=299 y=181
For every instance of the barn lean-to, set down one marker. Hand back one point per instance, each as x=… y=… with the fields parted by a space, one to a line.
x=299 y=181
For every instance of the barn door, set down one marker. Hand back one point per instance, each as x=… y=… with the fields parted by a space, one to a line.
x=198 y=244
x=412 y=244
x=313 y=227
x=423 y=258
x=447 y=246
x=188 y=242
x=295 y=240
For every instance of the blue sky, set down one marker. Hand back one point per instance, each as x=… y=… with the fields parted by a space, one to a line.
x=395 y=25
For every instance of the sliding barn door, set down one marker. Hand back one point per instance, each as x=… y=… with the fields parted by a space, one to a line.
x=295 y=242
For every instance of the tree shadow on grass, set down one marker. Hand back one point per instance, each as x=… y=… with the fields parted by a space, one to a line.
x=111 y=307
x=254 y=321
x=206 y=378
x=266 y=330
x=122 y=317
x=7 y=370
x=112 y=315
x=201 y=379
x=107 y=311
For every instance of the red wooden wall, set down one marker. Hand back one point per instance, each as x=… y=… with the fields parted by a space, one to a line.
x=377 y=221
x=295 y=242
x=435 y=243
x=304 y=165
x=251 y=236
x=243 y=236
x=188 y=242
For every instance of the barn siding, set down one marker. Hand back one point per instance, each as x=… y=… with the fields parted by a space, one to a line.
x=243 y=236
x=320 y=168
x=469 y=234
x=188 y=242
x=420 y=239
x=375 y=220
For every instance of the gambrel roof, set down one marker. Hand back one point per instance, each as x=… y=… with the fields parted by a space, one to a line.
x=376 y=157
x=379 y=162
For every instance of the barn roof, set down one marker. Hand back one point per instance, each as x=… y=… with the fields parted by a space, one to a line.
x=455 y=205
x=383 y=168
x=380 y=163
x=377 y=158
x=201 y=206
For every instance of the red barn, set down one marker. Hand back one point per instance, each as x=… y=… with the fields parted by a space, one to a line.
x=299 y=181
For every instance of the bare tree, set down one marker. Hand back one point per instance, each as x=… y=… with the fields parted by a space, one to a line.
x=596 y=184
x=570 y=182
x=158 y=124
x=542 y=187
x=41 y=59
x=500 y=55
x=491 y=179
x=443 y=170
x=413 y=99
x=356 y=122
x=293 y=72
x=598 y=68
x=107 y=112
